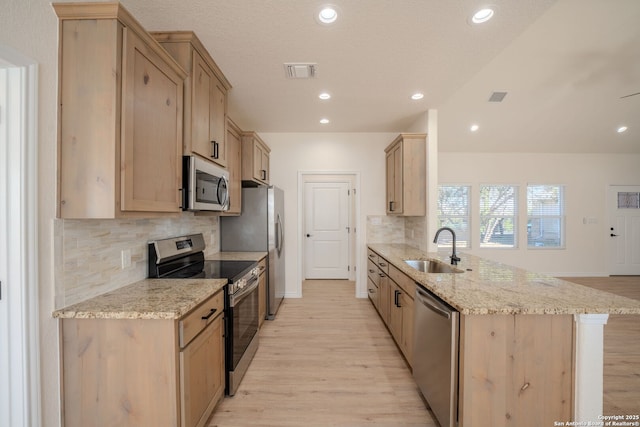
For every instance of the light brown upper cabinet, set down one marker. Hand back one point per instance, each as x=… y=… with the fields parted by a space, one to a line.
x=205 y=94
x=406 y=173
x=120 y=116
x=255 y=159
x=234 y=165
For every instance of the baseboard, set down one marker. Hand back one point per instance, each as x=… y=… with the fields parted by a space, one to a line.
x=577 y=274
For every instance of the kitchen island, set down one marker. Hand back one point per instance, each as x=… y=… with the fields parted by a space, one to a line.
x=530 y=345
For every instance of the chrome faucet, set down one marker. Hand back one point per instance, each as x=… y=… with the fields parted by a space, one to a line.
x=454 y=257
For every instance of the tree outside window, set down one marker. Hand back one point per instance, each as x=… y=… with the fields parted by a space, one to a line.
x=453 y=212
x=498 y=216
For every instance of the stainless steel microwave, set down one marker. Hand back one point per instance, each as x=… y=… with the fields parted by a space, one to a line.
x=205 y=186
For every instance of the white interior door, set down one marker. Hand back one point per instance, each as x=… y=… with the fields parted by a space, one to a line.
x=624 y=230
x=326 y=230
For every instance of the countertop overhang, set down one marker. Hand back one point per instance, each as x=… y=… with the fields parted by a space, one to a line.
x=489 y=287
x=146 y=299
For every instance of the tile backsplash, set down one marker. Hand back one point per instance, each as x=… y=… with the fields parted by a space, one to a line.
x=88 y=252
x=396 y=229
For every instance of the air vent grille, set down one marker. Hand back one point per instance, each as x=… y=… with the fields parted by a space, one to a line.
x=300 y=70
x=497 y=96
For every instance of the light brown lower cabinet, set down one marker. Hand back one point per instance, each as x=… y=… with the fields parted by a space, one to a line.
x=144 y=372
x=394 y=301
x=262 y=291
x=514 y=370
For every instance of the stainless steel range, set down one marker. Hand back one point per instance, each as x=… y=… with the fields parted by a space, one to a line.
x=183 y=257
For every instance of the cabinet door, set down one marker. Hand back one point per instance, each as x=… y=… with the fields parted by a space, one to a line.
x=407 y=327
x=390 y=186
x=202 y=374
x=262 y=298
x=151 y=139
x=395 y=311
x=203 y=81
x=383 y=297
x=234 y=166
x=258 y=153
x=264 y=161
x=217 y=123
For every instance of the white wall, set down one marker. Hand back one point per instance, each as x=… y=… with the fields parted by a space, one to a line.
x=586 y=177
x=362 y=153
x=30 y=27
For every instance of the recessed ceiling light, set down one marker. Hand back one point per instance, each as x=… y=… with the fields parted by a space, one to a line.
x=622 y=129
x=324 y=121
x=417 y=96
x=474 y=128
x=324 y=95
x=483 y=15
x=328 y=14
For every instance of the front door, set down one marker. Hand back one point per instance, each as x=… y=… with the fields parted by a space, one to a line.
x=326 y=229
x=624 y=230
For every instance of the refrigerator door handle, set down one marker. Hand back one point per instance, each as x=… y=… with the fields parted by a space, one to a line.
x=279 y=235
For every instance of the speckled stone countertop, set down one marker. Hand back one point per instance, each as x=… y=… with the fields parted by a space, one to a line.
x=494 y=288
x=238 y=256
x=146 y=299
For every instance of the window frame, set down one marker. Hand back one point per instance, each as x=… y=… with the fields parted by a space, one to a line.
x=468 y=217
x=562 y=217
x=515 y=217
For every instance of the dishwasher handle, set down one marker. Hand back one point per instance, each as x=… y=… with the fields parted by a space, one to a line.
x=431 y=303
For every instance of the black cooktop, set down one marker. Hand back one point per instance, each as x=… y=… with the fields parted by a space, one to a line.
x=208 y=269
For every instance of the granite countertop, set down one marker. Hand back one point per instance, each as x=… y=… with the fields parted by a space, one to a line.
x=237 y=256
x=494 y=288
x=146 y=299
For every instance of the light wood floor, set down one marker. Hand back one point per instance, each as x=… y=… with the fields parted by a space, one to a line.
x=327 y=360
x=621 y=347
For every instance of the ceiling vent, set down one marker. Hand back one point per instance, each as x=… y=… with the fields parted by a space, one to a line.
x=300 y=70
x=497 y=96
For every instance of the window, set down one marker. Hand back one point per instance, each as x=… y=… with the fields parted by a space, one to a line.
x=545 y=216
x=498 y=216
x=453 y=211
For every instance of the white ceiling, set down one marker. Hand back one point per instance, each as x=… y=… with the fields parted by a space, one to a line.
x=564 y=63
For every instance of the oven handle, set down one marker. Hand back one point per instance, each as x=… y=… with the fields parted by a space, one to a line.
x=239 y=296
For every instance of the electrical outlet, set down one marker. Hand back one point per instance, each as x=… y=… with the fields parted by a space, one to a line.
x=126 y=258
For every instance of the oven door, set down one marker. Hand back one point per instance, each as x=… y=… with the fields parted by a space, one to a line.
x=243 y=322
x=206 y=186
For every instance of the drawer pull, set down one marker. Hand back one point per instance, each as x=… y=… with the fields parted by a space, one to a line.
x=211 y=313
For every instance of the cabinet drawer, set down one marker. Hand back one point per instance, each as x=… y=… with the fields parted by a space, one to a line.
x=383 y=265
x=201 y=316
x=373 y=257
x=405 y=282
x=372 y=291
x=373 y=273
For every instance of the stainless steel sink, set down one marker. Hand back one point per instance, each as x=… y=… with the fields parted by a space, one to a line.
x=431 y=266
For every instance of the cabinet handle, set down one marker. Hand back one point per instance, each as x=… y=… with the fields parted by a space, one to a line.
x=216 y=150
x=391 y=206
x=371 y=291
x=263 y=173
x=211 y=313
x=382 y=275
x=396 y=294
x=371 y=271
x=382 y=264
x=372 y=256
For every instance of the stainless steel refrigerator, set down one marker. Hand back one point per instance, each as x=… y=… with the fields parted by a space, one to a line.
x=260 y=228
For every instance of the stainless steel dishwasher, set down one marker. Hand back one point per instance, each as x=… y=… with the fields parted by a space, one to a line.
x=435 y=355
